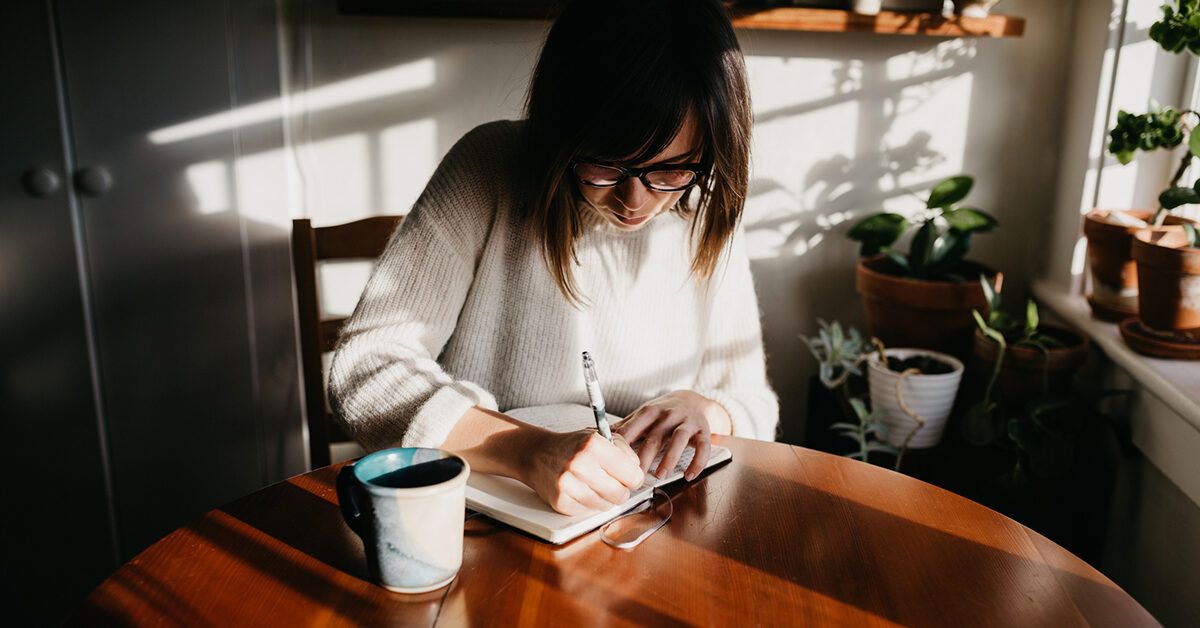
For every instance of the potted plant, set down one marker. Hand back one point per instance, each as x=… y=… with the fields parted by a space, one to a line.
x=1168 y=266
x=839 y=352
x=1026 y=360
x=1052 y=426
x=913 y=390
x=1110 y=233
x=1063 y=450
x=924 y=298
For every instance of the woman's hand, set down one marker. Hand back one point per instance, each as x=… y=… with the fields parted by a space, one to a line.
x=671 y=422
x=581 y=471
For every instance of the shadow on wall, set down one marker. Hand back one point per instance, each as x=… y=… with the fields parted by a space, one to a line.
x=884 y=126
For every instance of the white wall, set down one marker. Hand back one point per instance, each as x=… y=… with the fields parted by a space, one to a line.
x=847 y=124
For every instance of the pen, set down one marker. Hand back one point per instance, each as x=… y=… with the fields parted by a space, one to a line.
x=595 y=398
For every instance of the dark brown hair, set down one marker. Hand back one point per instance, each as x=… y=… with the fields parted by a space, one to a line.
x=615 y=81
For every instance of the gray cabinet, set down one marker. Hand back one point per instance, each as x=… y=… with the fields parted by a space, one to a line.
x=149 y=357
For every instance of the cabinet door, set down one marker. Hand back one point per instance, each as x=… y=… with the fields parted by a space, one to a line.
x=57 y=542
x=192 y=397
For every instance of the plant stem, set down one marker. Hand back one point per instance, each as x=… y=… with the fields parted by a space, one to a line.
x=1183 y=166
x=848 y=410
x=987 y=395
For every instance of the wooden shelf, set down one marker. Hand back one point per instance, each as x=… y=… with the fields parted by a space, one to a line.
x=887 y=22
x=784 y=18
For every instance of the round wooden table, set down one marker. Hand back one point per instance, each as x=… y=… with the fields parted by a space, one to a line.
x=781 y=535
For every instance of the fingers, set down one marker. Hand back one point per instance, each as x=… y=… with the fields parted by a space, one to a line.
x=603 y=484
x=622 y=444
x=619 y=461
x=637 y=423
x=573 y=487
x=649 y=451
x=703 y=445
x=679 y=440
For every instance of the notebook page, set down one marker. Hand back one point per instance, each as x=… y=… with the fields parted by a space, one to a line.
x=560 y=417
x=511 y=502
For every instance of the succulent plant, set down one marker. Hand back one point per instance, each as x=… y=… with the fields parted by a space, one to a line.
x=838 y=352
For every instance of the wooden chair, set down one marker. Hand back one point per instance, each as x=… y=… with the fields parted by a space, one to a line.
x=361 y=239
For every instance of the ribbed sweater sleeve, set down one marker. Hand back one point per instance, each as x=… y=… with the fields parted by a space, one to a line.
x=385 y=383
x=733 y=368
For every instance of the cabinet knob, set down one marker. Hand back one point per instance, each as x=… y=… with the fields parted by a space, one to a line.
x=93 y=181
x=40 y=182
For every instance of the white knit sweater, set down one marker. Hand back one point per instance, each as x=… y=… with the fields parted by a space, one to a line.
x=461 y=311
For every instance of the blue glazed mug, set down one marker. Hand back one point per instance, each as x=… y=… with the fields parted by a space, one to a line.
x=407 y=506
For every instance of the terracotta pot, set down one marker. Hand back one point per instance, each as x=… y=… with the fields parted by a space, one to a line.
x=1169 y=276
x=1110 y=257
x=936 y=315
x=1026 y=369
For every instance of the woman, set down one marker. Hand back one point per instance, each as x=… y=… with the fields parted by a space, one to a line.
x=606 y=221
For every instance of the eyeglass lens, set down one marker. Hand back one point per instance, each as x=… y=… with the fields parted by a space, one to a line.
x=598 y=175
x=630 y=529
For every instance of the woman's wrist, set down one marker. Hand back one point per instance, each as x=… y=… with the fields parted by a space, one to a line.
x=720 y=421
x=496 y=443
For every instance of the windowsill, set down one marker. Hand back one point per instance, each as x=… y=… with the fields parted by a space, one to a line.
x=1176 y=382
x=1165 y=407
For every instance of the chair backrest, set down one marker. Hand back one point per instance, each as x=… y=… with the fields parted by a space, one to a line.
x=361 y=239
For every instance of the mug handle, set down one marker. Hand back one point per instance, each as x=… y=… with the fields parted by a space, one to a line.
x=347 y=492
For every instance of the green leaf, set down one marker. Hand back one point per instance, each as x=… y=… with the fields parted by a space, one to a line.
x=921 y=249
x=950 y=191
x=878 y=231
x=1174 y=197
x=968 y=219
x=989 y=291
x=987 y=330
x=1031 y=317
x=1194 y=138
x=949 y=251
x=860 y=408
x=844 y=426
x=1124 y=156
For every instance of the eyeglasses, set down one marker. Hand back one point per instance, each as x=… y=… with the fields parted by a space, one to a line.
x=661 y=178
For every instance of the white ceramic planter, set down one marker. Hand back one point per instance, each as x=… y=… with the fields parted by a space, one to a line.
x=867 y=7
x=929 y=396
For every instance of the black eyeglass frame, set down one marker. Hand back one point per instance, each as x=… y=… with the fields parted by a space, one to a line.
x=700 y=170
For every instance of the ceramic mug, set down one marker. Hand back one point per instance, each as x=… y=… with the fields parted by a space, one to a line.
x=407 y=506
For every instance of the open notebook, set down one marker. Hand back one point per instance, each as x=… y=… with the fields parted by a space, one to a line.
x=509 y=501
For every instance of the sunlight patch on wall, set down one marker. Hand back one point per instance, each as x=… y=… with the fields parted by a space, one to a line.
x=927 y=138
x=802 y=166
x=395 y=80
x=408 y=156
x=774 y=81
x=209 y=183
x=345 y=161
x=262 y=193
